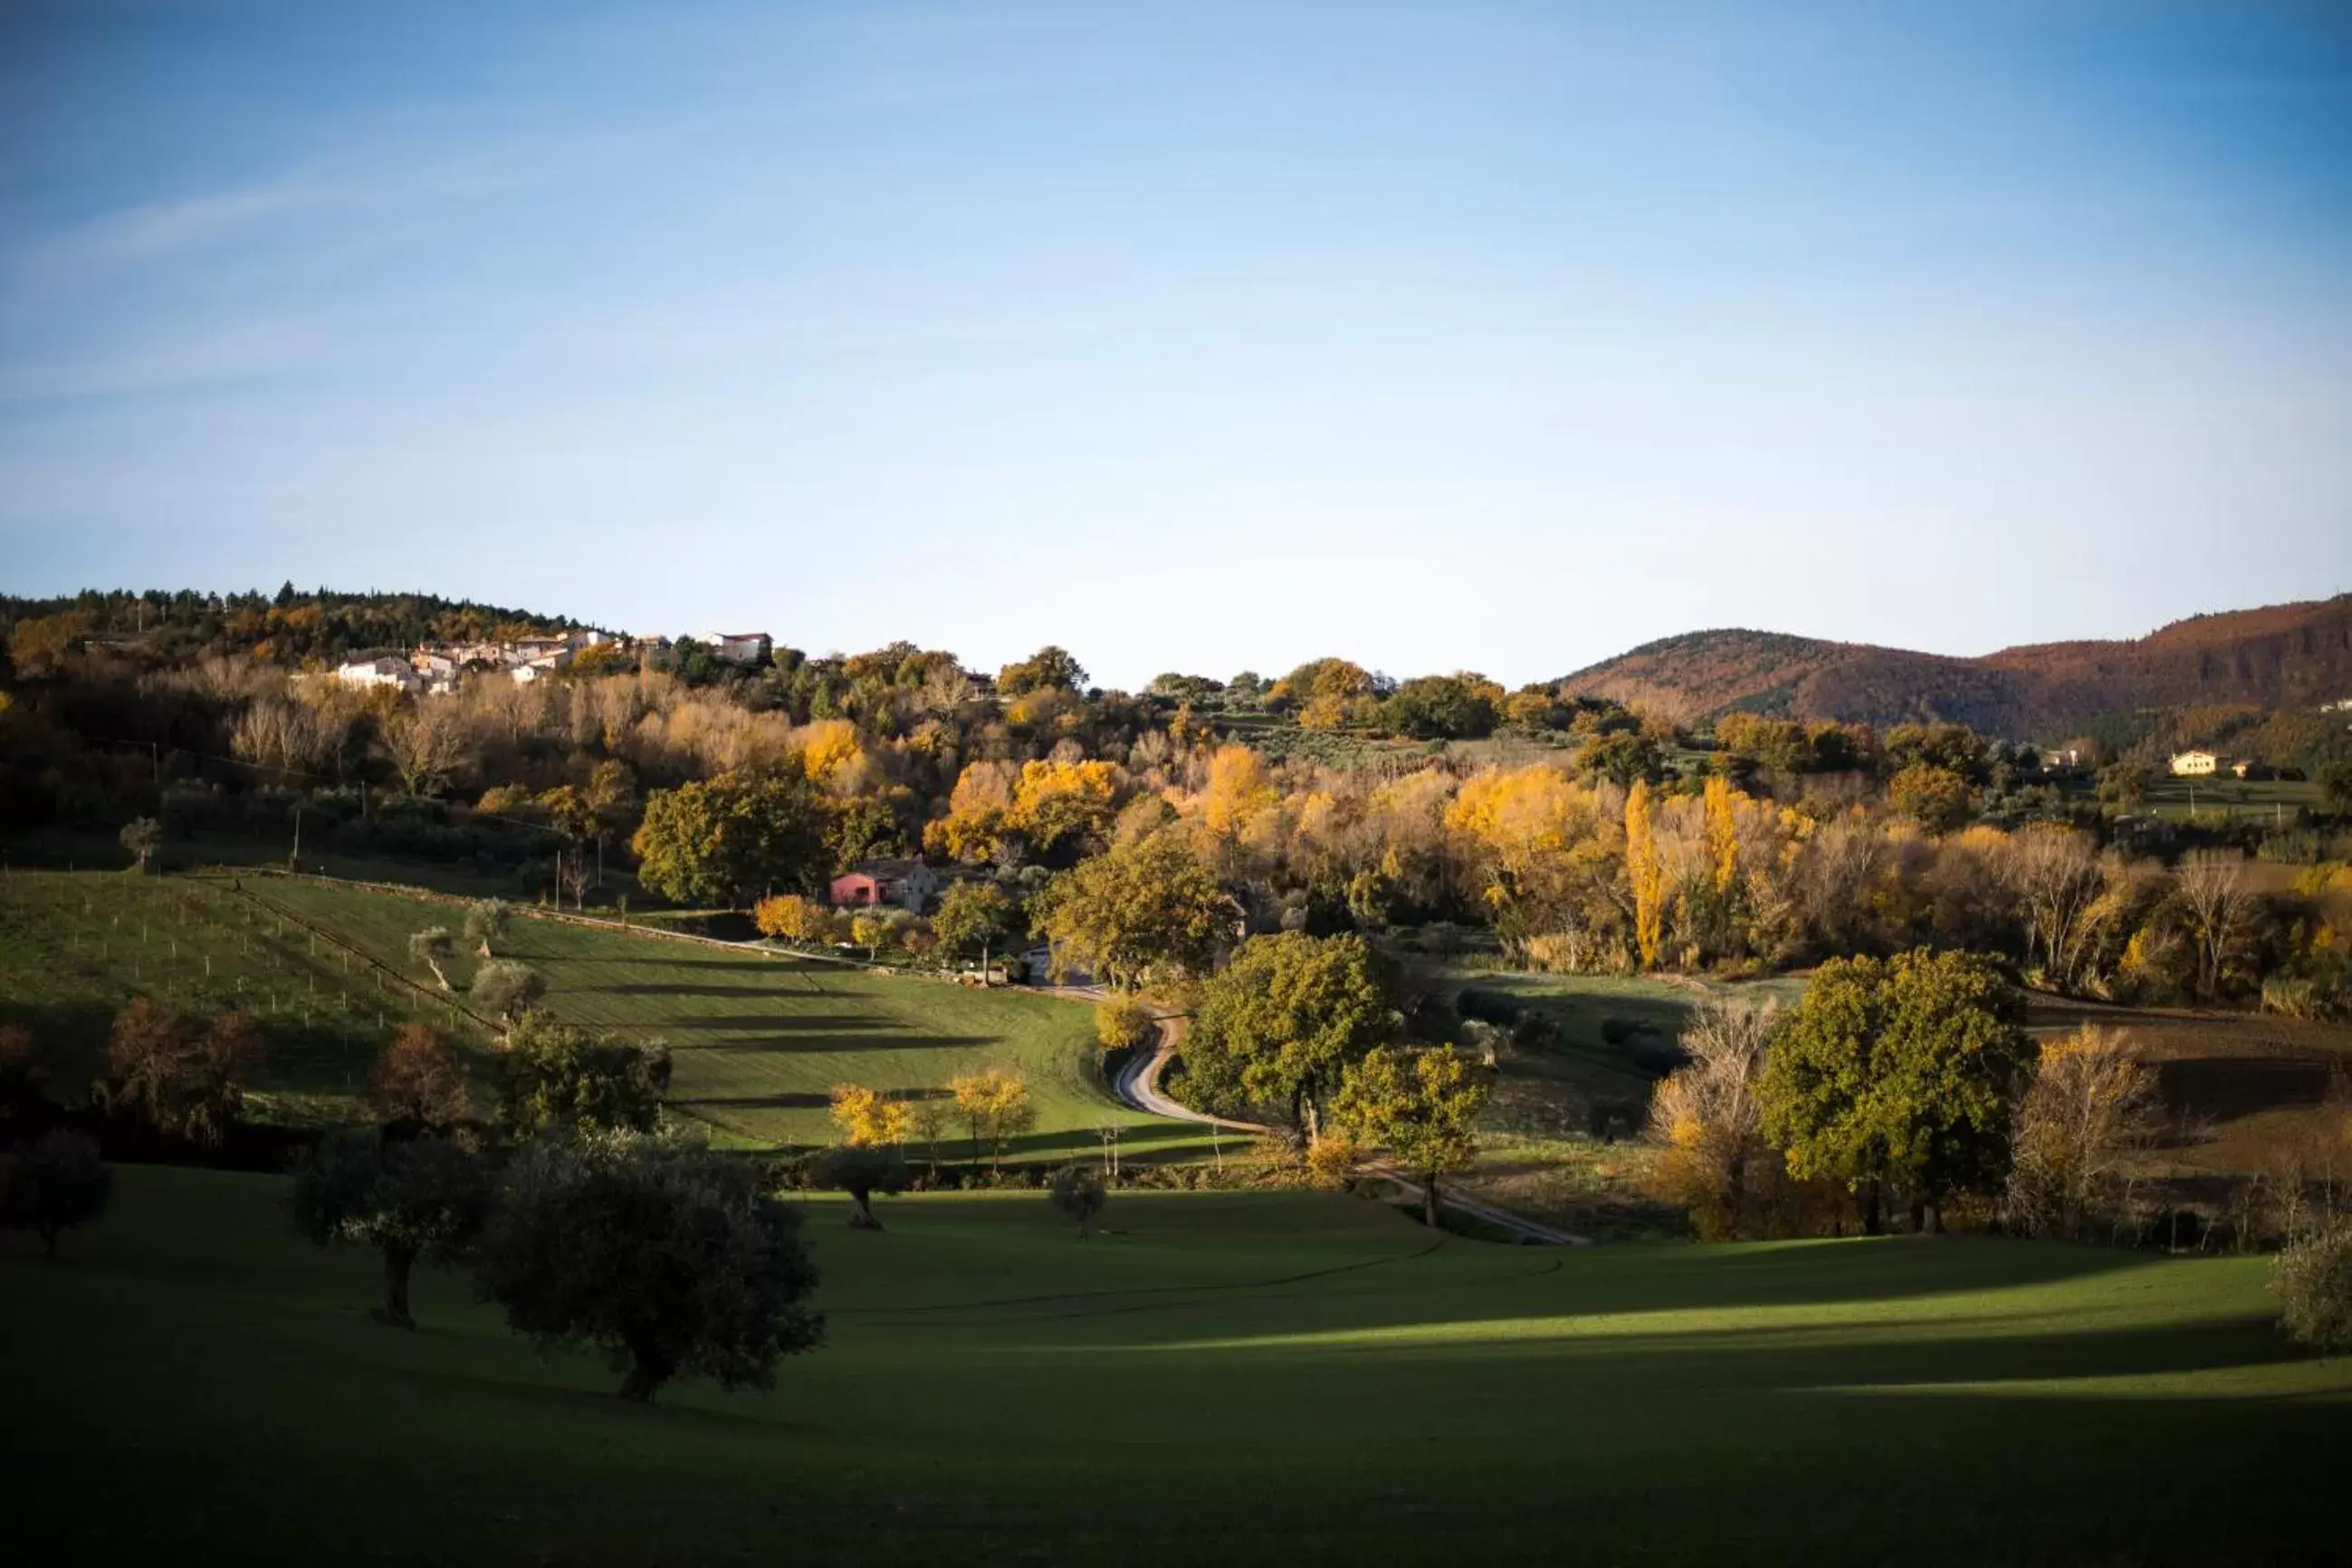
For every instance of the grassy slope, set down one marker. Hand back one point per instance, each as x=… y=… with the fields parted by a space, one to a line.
x=75 y=947
x=192 y=1382
x=761 y=1039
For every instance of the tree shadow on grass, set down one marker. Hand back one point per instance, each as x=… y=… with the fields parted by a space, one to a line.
x=835 y=1044
x=790 y=1100
x=678 y=988
x=775 y=1023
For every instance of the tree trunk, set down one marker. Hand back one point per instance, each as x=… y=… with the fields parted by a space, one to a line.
x=438 y=976
x=49 y=1240
x=861 y=1212
x=648 y=1370
x=1873 y=1220
x=398 y=1263
x=1429 y=1200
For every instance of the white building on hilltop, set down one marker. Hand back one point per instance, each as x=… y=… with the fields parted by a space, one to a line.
x=2194 y=764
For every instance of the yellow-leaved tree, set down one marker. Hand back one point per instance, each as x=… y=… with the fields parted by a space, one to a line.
x=1643 y=872
x=868 y=1119
x=1722 y=832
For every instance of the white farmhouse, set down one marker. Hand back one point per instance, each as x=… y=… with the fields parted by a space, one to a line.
x=738 y=648
x=372 y=672
x=2195 y=765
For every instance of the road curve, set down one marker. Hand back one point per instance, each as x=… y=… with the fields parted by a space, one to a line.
x=1138 y=1085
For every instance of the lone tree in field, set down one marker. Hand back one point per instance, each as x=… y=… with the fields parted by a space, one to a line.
x=1900 y=1076
x=557 y=1080
x=1423 y=1108
x=434 y=947
x=419 y=1081
x=861 y=1169
x=1284 y=1022
x=181 y=1082
x=731 y=839
x=507 y=990
x=486 y=923
x=140 y=835
x=1077 y=1195
x=667 y=1256
x=408 y=1198
x=53 y=1185
x=974 y=914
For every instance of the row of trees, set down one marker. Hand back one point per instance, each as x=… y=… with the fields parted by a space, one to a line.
x=1911 y=1082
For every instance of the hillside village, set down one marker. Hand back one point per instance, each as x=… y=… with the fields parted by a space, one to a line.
x=434 y=670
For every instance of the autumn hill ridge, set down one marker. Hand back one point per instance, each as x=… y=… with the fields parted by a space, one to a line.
x=2281 y=656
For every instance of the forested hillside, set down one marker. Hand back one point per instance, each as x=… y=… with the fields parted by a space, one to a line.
x=2283 y=656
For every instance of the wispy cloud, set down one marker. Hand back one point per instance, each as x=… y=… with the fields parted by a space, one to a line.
x=217 y=356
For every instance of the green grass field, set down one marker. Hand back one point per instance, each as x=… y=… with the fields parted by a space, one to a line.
x=2223 y=799
x=760 y=1039
x=1227 y=1378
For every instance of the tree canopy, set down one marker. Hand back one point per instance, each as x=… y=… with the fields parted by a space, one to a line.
x=1423 y=1108
x=1900 y=1074
x=1144 y=909
x=557 y=1079
x=661 y=1252
x=1282 y=1024
x=729 y=840
x=408 y=1198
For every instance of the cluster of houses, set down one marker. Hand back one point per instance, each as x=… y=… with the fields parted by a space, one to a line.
x=435 y=671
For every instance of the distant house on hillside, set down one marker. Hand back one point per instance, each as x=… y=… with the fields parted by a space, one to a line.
x=909 y=885
x=543 y=667
x=739 y=647
x=2194 y=764
x=383 y=671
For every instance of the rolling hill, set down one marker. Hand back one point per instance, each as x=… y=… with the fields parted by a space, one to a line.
x=2281 y=656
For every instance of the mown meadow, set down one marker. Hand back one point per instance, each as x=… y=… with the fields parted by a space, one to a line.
x=1222 y=1377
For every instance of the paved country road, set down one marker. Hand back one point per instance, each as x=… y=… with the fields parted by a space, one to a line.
x=1138 y=1084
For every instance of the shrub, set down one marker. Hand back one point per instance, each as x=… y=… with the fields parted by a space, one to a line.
x=1333 y=1159
x=1078 y=1193
x=1489 y=1006
x=2313 y=1278
x=54 y=1185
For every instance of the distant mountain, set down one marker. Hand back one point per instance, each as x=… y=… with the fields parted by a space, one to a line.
x=2283 y=656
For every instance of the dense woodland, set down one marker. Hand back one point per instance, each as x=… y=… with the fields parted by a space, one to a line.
x=1437 y=813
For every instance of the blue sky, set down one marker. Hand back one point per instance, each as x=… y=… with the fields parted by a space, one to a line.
x=1193 y=336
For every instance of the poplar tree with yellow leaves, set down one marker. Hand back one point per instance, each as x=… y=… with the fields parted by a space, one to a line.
x=1642 y=870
